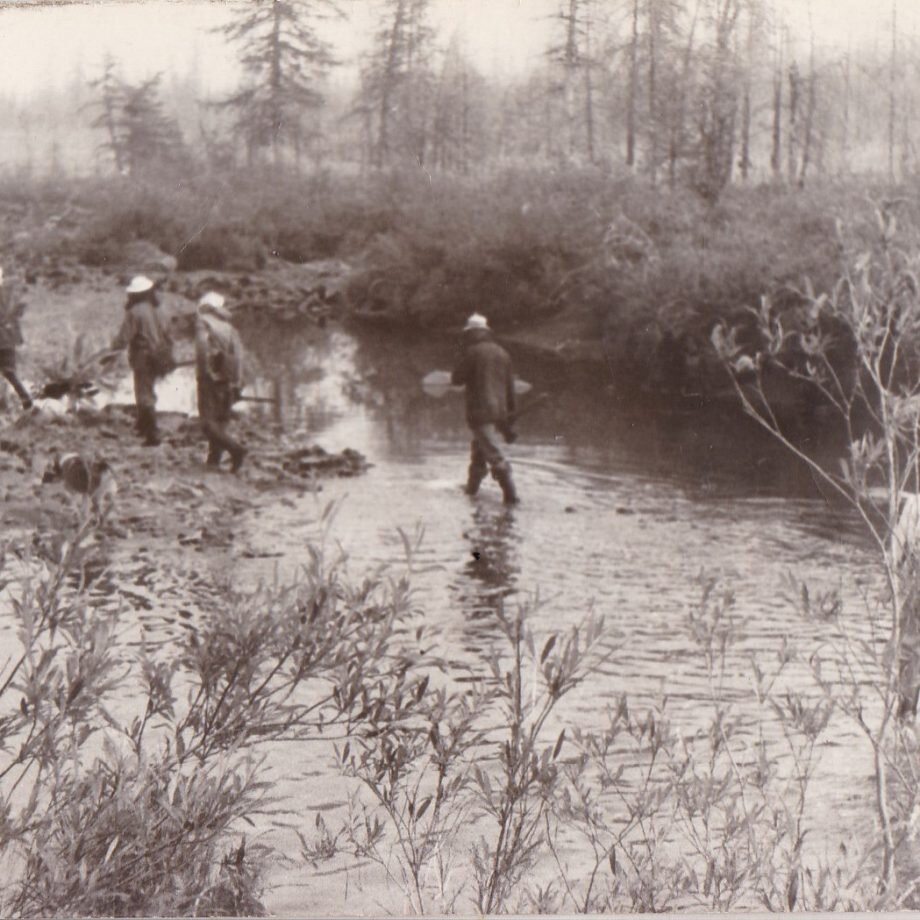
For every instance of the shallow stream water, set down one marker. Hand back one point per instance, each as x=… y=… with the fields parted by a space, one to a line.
x=622 y=510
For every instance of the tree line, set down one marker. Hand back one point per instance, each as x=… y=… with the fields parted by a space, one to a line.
x=682 y=92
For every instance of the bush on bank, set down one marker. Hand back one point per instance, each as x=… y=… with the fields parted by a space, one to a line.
x=645 y=272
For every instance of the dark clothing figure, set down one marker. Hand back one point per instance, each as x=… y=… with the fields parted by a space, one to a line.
x=484 y=369
x=219 y=375
x=144 y=333
x=10 y=340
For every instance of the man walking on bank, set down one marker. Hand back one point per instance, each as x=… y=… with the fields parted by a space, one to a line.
x=485 y=371
x=10 y=339
x=145 y=334
x=219 y=373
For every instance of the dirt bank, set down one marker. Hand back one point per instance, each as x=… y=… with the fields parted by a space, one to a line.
x=169 y=513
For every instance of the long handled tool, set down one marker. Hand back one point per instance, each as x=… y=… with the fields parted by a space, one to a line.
x=438 y=383
x=505 y=428
x=528 y=407
x=260 y=399
x=253 y=399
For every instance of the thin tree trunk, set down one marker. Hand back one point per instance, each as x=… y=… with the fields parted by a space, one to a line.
x=792 y=139
x=907 y=144
x=275 y=83
x=367 y=140
x=677 y=130
x=892 y=99
x=653 y=89
x=502 y=139
x=589 y=90
x=632 y=88
x=746 y=100
x=845 y=141
x=388 y=80
x=776 y=157
x=810 y=106
x=570 y=67
x=465 y=122
x=440 y=128
x=550 y=132
x=416 y=110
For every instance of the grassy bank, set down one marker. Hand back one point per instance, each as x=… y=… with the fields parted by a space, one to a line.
x=639 y=275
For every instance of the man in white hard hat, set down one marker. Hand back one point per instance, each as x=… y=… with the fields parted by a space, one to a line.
x=219 y=374
x=145 y=334
x=10 y=339
x=484 y=369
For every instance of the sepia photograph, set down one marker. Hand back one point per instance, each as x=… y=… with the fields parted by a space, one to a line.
x=459 y=457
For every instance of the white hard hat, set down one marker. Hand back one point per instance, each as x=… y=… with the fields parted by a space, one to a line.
x=139 y=284
x=212 y=304
x=476 y=321
x=212 y=299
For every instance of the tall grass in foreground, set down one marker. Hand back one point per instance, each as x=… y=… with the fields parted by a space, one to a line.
x=489 y=800
x=109 y=808
x=471 y=790
x=871 y=316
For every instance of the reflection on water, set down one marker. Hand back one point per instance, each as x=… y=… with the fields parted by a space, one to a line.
x=622 y=509
x=490 y=574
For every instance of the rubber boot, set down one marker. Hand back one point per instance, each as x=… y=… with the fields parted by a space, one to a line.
x=147 y=424
x=474 y=478
x=509 y=493
x=237 y=455
x=24 y=396
x=215 y=452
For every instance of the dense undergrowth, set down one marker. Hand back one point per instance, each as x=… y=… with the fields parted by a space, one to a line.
x=642 y=273
x=518 y=243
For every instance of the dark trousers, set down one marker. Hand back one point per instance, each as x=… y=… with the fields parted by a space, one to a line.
x=8 y=370
x=215 y=400
x=145 y=397
x=486 y=455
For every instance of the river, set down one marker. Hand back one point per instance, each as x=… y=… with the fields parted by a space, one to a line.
x=622 y=511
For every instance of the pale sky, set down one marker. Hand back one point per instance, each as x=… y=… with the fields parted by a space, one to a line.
x=44 y=45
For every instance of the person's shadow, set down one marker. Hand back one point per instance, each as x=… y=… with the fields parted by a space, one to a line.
x=489 y=574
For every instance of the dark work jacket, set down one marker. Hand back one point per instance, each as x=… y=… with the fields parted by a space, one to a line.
x=485 y=370
x=143 y=332
x=10 y=312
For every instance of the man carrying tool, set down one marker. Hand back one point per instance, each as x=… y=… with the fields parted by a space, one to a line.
x=10 y=339
x=485 y=371
x=144 y=333
x=219 y=373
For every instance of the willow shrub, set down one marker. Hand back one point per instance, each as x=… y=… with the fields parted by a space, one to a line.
x=855 y=344
x=129 y=778
x=483 y=794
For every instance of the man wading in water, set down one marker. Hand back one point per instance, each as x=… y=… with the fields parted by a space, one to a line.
x=143 y=332
x=219 y=372
x=485 y=371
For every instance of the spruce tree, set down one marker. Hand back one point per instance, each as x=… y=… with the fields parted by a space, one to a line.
x=397 y=85
x=284 y=60
x=138 y=131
